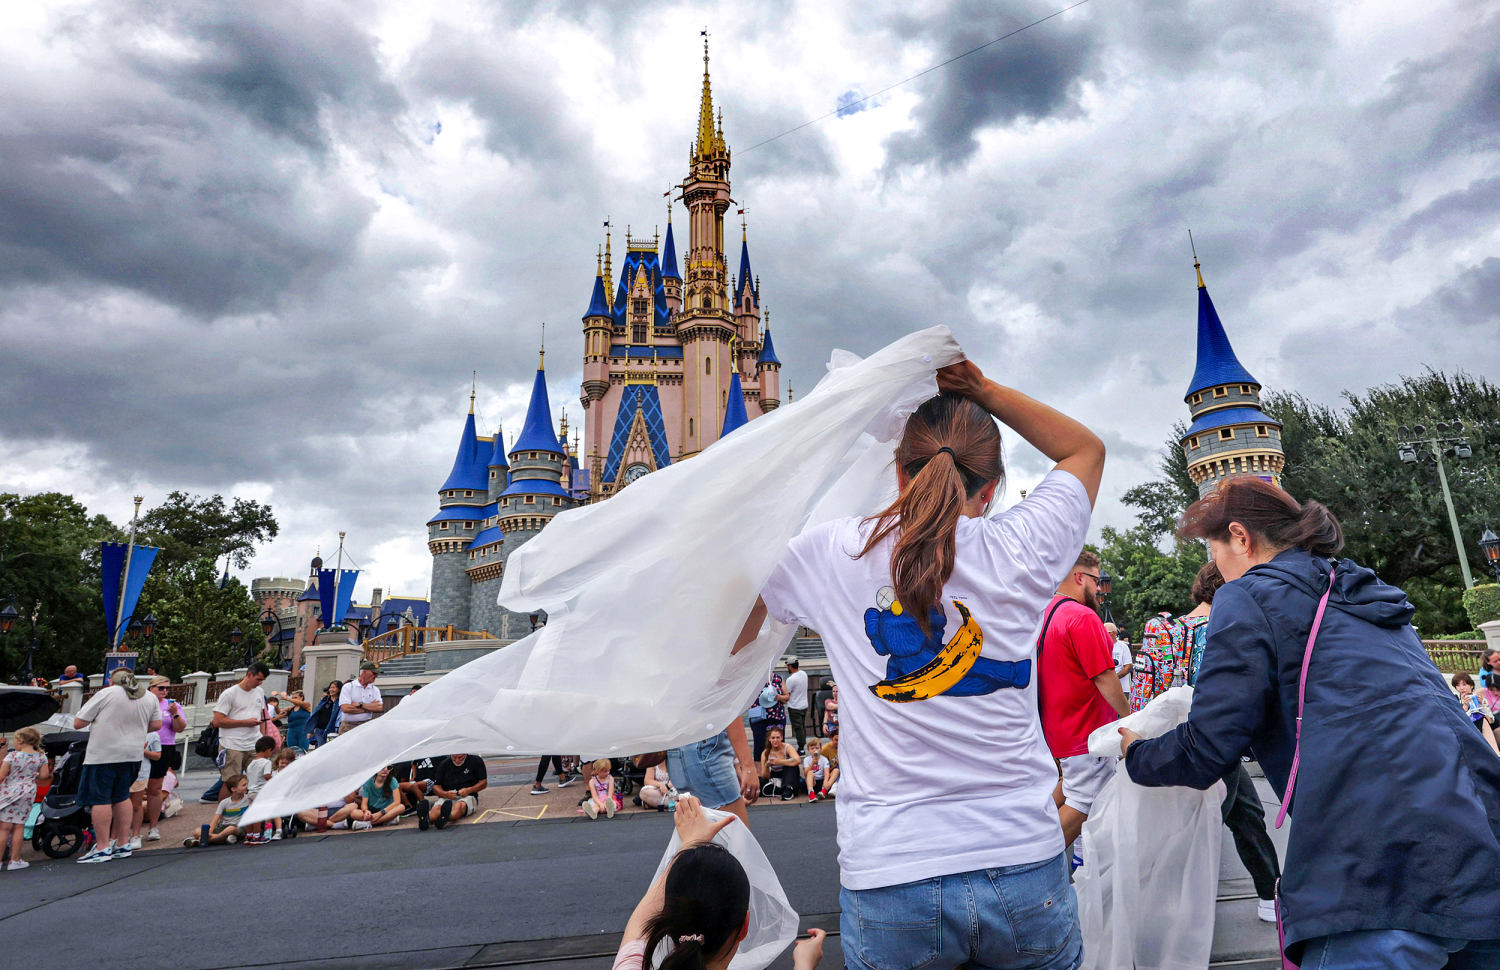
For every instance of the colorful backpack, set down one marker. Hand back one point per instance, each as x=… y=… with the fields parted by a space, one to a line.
x=1171 y=651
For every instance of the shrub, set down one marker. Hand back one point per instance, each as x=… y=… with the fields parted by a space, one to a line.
x=1482 y=603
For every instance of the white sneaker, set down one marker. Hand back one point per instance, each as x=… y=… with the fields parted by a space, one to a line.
x=231 y=839
x=154 y=835
x=135 y=843
x=1266 y=910
x=361 y=826
x=122 y=851
x=591 y=809
x=18 y=864
x=609 y=808
x=98 y=854
x=340 y=825
x=276 y=835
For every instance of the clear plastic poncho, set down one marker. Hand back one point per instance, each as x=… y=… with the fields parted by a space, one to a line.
x=1150 y=875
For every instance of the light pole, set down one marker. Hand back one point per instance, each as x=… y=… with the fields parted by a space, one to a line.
x=235 y=636
x=1105 y=582
x=1416 y=447
x=145 y=626
x=8 y=618
x=1490 y=543
x=270 y=623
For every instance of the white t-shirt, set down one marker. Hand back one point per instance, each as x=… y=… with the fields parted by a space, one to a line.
x=356 y=693
x=153 y=743
x=1123 y=658
x=240 y=704
x=118 y=725
x=796 y=690
x=257 y=772
x=963 y=780
x=807 y=762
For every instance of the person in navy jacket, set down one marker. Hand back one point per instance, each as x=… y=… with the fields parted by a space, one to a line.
x=1394 y=860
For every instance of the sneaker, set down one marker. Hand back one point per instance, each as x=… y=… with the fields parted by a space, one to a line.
x=567 y=780
x=276 y=836
x=205 y=800
x=98 y=854
x=539 y=790
x=17 y=864
x=360 y=826
x=590 y=809
x=1265 y=910
x=232 y=839
x=787 y=794
x=340 y=825
x=423 y=808
x=443 y=814
x=122 y=851
x=191 y=842
x=609 y=808
x=812 y=796
x=154 y=835
x=822 y=794
x=135 y=842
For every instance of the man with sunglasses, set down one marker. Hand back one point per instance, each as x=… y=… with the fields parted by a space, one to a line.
x=1078 y=690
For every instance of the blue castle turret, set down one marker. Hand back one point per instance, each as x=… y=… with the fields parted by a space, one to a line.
x=1230 y=434
x=461 y=510
x=734 y=411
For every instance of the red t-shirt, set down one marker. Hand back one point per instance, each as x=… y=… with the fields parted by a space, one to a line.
x=1077 y=649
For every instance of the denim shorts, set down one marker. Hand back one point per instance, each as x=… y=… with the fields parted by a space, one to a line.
x=705 y=769
x=988 y=919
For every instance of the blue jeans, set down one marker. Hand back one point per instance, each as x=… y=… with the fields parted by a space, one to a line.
x=1382 y=949
x=706 y=769
x=1009 y=918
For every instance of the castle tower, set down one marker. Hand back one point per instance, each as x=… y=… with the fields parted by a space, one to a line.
x=462 y=500
x=308 y=613
x=1230 y=434
x=768 y=369
x=747 y=318
x=734 y=413
x=705 y=325
x=499 y=468
x=671 y=279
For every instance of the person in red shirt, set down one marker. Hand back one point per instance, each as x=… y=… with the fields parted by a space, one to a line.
x=1078 y=690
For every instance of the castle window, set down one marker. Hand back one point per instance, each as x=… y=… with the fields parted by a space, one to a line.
x=468 y=493
x=469 y=525
x=690 y=427
x=639 y=307
x=707 y=303
x=1244 y=388
x=1221 y=392
x=638 y=334
x=1196 y=399
x=1261 y=431
x=708 y=365
x=443 y=526
x=1226 y=434
x=531 y=500
x=556 y=501
x=1193 y=442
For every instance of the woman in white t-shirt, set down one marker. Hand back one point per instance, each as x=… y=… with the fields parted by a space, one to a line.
x=950 y=850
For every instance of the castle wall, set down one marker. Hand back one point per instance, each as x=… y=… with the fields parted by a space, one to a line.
x=450 y=590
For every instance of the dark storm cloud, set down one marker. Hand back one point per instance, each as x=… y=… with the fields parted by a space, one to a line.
x=1470 y=299
x=1452 y=216
x=1029 y=76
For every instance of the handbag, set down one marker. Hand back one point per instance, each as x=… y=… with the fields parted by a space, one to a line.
x=1291 y=780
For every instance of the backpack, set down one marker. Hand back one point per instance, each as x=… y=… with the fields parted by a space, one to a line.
x=207 y=745
x=1164 y=648
x=767 y=697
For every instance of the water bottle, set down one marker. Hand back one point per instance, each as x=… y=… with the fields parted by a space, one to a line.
x=322 y=818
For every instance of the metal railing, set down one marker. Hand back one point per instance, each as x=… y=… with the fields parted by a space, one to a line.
x=414 y=639
x=1455 y=655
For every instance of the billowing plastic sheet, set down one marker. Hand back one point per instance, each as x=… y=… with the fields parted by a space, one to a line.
x=1150 y=875
x=646 y=592
x=773 y=922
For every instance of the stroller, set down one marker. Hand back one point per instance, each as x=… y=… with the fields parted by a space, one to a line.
x=65 y=826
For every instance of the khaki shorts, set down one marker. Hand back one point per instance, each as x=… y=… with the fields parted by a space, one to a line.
x=1083 y=776
x=471 y=804
x=137 y=786
x=235 y=763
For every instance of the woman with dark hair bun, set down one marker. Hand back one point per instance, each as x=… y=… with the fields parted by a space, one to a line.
x=950 y=848
x=1314 y=668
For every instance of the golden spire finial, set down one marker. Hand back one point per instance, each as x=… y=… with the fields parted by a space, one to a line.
x=599 y=261
x=608 y=270
x=473 y=388
x=706 y=108
x=1198 y=269
x=541 y=359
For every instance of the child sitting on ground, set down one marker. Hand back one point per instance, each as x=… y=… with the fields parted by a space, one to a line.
x=225 y=826
x=279 y=761
x=657 y=791
x=700 y=905
x=379 y=801
x=817 y=772
x=259 y=771
x=602 y=797
x=24 y=767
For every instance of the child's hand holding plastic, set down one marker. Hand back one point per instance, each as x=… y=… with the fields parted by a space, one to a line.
x=808 y=953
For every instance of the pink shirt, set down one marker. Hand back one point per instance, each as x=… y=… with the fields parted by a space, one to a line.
x=632 y=956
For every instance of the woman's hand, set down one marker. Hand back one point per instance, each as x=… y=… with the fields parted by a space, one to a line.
x=808 y=953
x=749 y=783
x=961 y=378
x=1127 y=738
x=692 y=825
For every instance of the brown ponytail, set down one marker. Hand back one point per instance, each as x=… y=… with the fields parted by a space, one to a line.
x=1268 y=512
x=950 y=450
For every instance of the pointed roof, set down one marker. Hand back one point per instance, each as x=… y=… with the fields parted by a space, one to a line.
x=311 y=593
x=1217 y=363
x=598 y=305
x=745 y=277
x=705 y=144
x=537 y=433
x=768 y=349
x=734 y=412
x=669 y=257
x=497 y=453
x=469 y=470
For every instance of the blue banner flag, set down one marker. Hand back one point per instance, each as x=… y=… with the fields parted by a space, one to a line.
x=333 y=613
x=117 y=614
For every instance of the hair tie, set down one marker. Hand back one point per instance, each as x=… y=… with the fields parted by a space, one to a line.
x=949 y=451
x=690 y=938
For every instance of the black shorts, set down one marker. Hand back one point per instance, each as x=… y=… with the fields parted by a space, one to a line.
x=171 y=758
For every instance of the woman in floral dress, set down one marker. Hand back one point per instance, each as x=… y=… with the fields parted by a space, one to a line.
x=19 y=774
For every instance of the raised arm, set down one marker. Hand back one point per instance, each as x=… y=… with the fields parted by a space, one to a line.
x=1067 y=442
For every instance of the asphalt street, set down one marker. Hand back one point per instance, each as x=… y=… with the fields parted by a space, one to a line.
x=553 y=893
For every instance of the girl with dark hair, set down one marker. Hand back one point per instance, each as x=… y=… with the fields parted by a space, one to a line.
x=950 y=849
x=700 y=906
x=1314 y=668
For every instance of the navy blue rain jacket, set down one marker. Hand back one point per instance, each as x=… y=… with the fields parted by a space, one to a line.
x=1398 y=797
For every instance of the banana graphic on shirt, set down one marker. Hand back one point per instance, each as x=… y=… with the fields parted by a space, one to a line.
x=942 y=672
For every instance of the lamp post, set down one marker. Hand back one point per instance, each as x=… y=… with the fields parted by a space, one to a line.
x=235 y=636
x=270 y=623
x=8 y=618
x=1490 y=543
x=1105 y=582
x=135 y=629
x=1416 y=447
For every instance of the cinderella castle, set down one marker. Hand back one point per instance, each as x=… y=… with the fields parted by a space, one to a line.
x=673 y=361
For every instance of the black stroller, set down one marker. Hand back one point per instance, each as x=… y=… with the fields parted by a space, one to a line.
x=65 y=826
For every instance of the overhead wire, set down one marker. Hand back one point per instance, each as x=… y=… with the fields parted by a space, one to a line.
x=891 y=87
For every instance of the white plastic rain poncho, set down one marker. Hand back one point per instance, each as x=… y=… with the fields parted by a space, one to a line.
x=646 y=593
x=1150 y=876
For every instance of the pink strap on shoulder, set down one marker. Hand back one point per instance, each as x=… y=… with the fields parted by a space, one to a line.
x=1312 y=636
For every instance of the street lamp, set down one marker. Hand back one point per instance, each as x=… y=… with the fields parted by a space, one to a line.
x=1490 y=543
x=235 y=636
x=1417 y=448
x=270 y=623
x=145 y=627
x=1105 y=582
x=8 y=618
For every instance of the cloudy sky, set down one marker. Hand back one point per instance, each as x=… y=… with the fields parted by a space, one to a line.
x=257 y=249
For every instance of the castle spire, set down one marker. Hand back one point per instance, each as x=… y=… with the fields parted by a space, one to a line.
x=1217 y=363
x=734 y=412
x=536 y=433
x=1196 y=267
x=705 y=144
